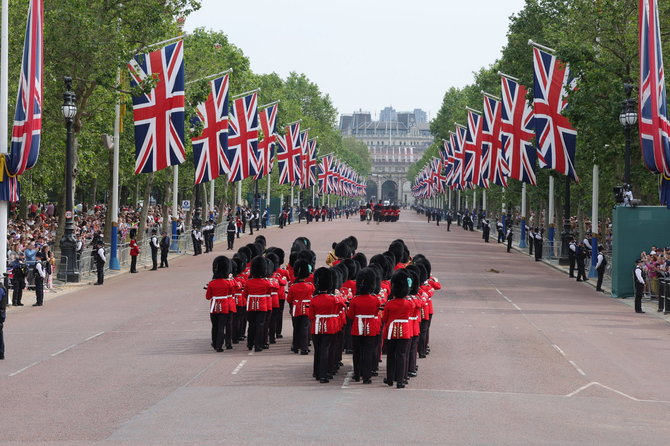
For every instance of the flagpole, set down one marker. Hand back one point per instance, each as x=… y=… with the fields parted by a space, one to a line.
x=174 y=246
x=267 y=199
x=4 y=85
x=163 y=42
x=522 y=236
x=551 y=225
x=211 y=196
x=211 y=76
x=256 y=90
x=542 y=47
x=114 y=236
x=239 y=193
x=594 y=221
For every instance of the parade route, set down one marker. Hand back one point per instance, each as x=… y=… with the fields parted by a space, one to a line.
x=520 y=354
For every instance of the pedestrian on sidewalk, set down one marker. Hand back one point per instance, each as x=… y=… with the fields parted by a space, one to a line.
x=153 y=244
x=40 y=275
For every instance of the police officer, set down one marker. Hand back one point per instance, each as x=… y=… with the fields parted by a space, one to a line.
x=39 y=275
x=531 y=240
x=230 y=233
x=450 y=218
x=501 y=233
x=205 y=234
x=99 y=255
x=486 y=229
x=572 y=256
x=601 y=263
x=537 y=239
x=153 y=244
x=196 y=238
x=165 y=249
x=510 y=236
x=580 y=256
x=19 y=273
x=3 y=315
x=639 y=279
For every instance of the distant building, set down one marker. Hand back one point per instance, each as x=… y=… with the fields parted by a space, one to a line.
x=394 y=142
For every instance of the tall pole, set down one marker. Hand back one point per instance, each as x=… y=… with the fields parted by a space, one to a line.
x=174 y=245
x=211 y=196
x=239 y=193
x=504 y=211
x=290 y=214
x=68 y=270
x=567 y=229
x=551 y=223
x=522 y=237
x=449 y=199
x=594 y=221
x=484 y=200
x=4 y=85
x=113 y=255
x=267 y=198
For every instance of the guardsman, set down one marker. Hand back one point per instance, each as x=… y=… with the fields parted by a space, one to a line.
x=299 y=296
x=397 y=330
x=601 y=264
x=364 y=312
x=165 y=249
x=153 y=244
x=324 y=314
x=221 y=294
x=639 y=277
x=134 y=250
x=258 y=296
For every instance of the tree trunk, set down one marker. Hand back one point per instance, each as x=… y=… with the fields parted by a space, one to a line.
x=145 y=208
x=136 y=198
x=108 y=216
x=95 y=191
x=222 y=204
x=189 y=214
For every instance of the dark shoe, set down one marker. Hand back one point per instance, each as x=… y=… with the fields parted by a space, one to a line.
x=304 y=352
x=96 y=283
x=399 y=386
x=375 y=373
x=579 y=280
x=258 y=349
x=640 y=311
x=266 y=346
x=294 y=350
x=367 y=381
x=37 y=305
x=356 y=378
x=229 y=347
x=279 y=336
x=272 y=341
x=133 y=272
x=349 y=351
x=219 y=350
x=324 y=380
x=154 y=269
x=422 y=356
x=412 y=374
x=19 y=304
x=250 y=347
x=388 y=383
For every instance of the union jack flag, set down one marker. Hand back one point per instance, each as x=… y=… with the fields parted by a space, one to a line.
x=473 y=151
x=309 y=164
x=27 y=129
x=209 y=148
x=10 y=187
x=459 y=152
x=557 y=139
x=304 y=146
x=516 y=132
x=494 y=166
x=325 y=171
x=266 y=147
x=654 y=126
x=242 y=150
x=159 y=114
x=447 y=153
x=288 y=155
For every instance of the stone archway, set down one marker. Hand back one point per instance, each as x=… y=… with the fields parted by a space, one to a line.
x=372 y=192
x=389 y=191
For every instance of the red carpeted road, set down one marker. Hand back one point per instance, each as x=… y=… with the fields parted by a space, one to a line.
x=520 y=355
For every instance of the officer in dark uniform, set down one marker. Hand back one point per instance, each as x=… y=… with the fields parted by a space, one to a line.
x=153 y=244
x=450 y=218
x=537 y=239
x=580 y=255
x=601 y=263
x=19 y=273
x=639 y=277
x=510 y=236
x=501 y=233
x=165 y=249
x=230 y=232
x=572 y=255
x=486 y=230
x=99 y=256
x=3 y=314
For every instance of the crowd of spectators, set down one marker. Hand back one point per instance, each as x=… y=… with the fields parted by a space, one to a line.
x=656 y=265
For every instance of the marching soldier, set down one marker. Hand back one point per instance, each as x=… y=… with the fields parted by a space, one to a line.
x=397 y=331
x=165 y=249
x=299 y=296
x=153 y=244
x=364 y=312
x=220 y=292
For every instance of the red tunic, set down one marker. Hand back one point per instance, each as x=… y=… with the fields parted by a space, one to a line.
x=351 y=285
x=257 y=293
x=415 y=318
x=396 y=319
x=221 y=292
x=134 y=248
x=364 y=311
x=240 y=300
x=299 y=296
x=429 y=292
x=282 y=289
x=324 y=312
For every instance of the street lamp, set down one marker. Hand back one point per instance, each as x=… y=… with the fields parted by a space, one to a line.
x=628 y=119
x=68 y=270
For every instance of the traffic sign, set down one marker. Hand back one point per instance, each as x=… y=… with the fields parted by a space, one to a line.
x=186 y=205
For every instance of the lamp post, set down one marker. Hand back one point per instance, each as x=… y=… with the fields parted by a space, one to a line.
x=68 y=270
x=628 y=119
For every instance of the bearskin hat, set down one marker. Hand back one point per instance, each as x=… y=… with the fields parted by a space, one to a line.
x=400 y=283
x=324 y=280
x=258 y=268
x=366 y=281
x=221 y=267
x=302 y=269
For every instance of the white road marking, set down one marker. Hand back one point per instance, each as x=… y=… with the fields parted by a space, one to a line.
x=618 y=392
x=64 y=350
x=347 y=380
x=25 y=368
x=239 y=367
x=94 y=336
x=581 y=372
x=558 y=349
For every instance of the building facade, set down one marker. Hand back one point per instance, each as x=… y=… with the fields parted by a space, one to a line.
x=394 y=145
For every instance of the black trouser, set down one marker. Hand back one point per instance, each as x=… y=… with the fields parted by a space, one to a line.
x=279 y=323
x=538 y=250
x=601 y=276
x=251 y=227
x=347 y=335
x=164 y=259
x=485 y=235
x=2 y=338
x=448 y=225
x=411 y=355
x=423 y=337
x=266 y=328
x=256 y=333
x=300 y=333
x=275 y=319
x=133 y=264
x=501 y=236
x=639 y=290
x=572 y=259
x=530 y=246
x=364 y=355
x=100 y=267
x=239 y=323
x=39 y=289
x=322 y=347
x=17 y=293
x=154 y=257
x=219 y=321
x=581 y=272
x=231 y=240
x=396 y=355
x=509 y=244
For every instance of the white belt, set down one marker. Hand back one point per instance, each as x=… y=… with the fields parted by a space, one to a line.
x=317 y=329
x=398 y=321
x=214 y=299
x=295 y=305
x=414 y=318
x=360 y=318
